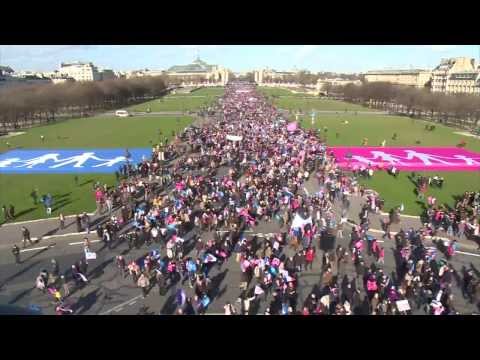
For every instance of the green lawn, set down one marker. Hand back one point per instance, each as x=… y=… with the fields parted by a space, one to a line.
x=68 y=198
x=270 y=91
x=181 y=101
x=308 y=104
x=210 y=91
x=379 y=127
x=97 y=132
x=382 y=127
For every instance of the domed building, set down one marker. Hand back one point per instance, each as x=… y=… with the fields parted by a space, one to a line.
x=199 y=71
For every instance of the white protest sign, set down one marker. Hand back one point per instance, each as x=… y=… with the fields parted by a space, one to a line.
x=90 y=255
x=403 y=305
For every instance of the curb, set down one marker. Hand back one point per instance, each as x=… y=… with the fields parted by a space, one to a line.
x=39 y=220
x=401 y=215
x=463 y=245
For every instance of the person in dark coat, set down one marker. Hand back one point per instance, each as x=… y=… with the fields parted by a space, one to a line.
x=83 y=266
x=79 y=223
x=26 y=237
x=16 y=254
x=161 y=283
x=299 y=261
x=11 y=212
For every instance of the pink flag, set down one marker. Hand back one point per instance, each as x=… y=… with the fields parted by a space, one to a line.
x=292 y=126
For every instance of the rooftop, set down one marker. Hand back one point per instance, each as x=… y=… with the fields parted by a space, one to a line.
x=75 y=63
x=6 y=69
x=393 y=72
x=197 y=66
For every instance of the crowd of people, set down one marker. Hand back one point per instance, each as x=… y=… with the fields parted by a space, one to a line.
x=247 y=168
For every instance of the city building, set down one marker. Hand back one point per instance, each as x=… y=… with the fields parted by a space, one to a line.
x=456 y=76
x=267 y=76
x=414 y=77
x=80 y=71
x=55 y=76
x=323 y=84
x=143 y=72
x=6 y=71
x=199 y=71
x=9 y=78
x=107 y=74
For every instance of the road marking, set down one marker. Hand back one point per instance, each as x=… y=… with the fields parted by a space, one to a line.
x=402 y=215
x=120 y=306
x=81 y=242
x=38 y=220
x=33 y=249
x=466 y=253
x=428 y=237
x=57 y=236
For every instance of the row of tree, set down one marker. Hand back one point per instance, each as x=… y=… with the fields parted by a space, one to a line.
x=302 y=77
x=458 y=109
x=27 y=104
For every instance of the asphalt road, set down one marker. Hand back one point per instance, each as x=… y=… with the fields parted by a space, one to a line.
x=109 y=293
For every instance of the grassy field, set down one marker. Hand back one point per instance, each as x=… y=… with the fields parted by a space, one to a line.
x=377 y=128
x=382 y=127
x=308 y=104
x=270 y=91
x=97 y=132
x=68 y=198
x=181 y=101
x=285 y=99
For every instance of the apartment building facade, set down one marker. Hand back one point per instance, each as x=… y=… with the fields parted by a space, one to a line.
x=80 y=71
x=418 y=78
x=456 y=76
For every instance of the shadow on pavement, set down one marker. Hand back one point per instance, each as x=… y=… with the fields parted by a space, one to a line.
x=35 y=254
x=21 y=295
x=20 y=273
x=99 y=269
x=215 y=284
x=86 y=302
x=169 y=306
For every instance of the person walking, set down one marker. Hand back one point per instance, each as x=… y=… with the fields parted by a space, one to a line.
x=34 y=196
x=79 y=223
x=161 y=282
x=107 y=238
x=86 y=222
x=309 y=257
x=11 y=212
x=144 y=283
x=122 y=265
x=16 y=254
x=48 y=204
x=6 y=215
x=63 y=283
x=61 y=219
x=26 y=237
x=109 y=203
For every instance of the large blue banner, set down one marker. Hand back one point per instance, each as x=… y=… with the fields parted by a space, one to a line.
x=69 y=161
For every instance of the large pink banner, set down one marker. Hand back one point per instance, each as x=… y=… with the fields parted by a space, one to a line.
x=408 y=158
